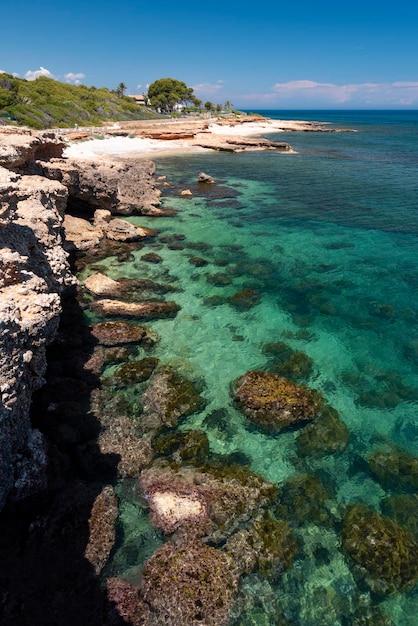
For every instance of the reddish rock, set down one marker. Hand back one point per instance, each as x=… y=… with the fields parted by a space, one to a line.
x=102 y=528
x=118 y=333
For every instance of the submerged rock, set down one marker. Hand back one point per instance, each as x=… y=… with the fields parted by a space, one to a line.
x=102 y=532
x=119 y=333
x=395 y=468
x=287 y=362
x=191 y=446
x=139 y=310
x=244 y=299
x=273 y=402
x=135 y=371
x=301 y=500
x=384 y=555
x=267 y=546
x=211 y=501
x=188 y=585
x=168 y=397
x=326 y=435
x=403 y=509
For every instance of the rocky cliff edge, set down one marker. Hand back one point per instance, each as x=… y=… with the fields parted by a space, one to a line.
x=36 y=187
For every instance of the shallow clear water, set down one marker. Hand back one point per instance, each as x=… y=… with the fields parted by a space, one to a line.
x=328 y=239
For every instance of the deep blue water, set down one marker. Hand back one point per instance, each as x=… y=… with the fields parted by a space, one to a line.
x=328 y=237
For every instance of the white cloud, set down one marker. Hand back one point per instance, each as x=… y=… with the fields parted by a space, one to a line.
x=74 y=78
x=33 y=75
x=208 y=88
x=138 y=86
x=312 y=93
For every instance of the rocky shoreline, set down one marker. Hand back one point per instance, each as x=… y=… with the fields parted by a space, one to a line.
x=71 y=444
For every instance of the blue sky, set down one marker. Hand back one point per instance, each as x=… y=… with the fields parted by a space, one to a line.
x=295 y=55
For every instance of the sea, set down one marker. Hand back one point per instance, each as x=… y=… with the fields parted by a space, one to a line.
x=326 y=236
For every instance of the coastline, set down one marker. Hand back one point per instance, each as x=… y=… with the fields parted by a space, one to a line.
x=167 y=137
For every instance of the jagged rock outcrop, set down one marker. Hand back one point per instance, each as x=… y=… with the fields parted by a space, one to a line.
x=19 y=146
x=123 y=188
x=82 y=235
x=36 y=189
x=34 y=271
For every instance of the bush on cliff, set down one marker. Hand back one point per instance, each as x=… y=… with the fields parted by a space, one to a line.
x=47 y=103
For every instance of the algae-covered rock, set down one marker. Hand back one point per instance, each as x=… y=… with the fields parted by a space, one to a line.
x=326 y=435
x=274 y=403
x=188 y=585
x=135 y=371
x=102 y=532
x=211 y=501
x=267 y=546
x=124 y=603
x=121 y=441
x=384 y=555
x=119 y=333
x=169 y=397
x=284 y=360
x=301 y=500
x=403 y=509
x=395 y=468
x=244 y=299
x=191 y=446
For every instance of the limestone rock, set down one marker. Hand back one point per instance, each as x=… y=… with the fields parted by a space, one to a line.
x=34 y=273
x=123 y=187
x=19 y=146
x=205 y=178
x=100 y=285
x=80 y=234
x=139 y=310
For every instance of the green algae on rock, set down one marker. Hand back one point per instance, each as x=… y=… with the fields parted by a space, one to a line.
x=301 y=500
x=267 y=546
x=384 y=555
x=284 y=360
x=274 y=403
x=191 y=446
x=395 y=468
x=134 y=372
x=116 y=333
x=326 y=435
x=403 y=509
x=189 y=584
x=169 y=397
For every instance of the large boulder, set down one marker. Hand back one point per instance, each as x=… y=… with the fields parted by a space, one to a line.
x=384 y=555
x=274 y=403
x=211 y=501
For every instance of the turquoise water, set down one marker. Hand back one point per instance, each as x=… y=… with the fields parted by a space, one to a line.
x=327 y=238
